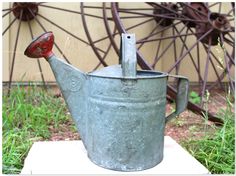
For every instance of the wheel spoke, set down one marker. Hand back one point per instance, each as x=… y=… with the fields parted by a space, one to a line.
x=182 y=49
x=230 y=36
x=213 y=4
x=227 y=53
x=38 y=61
x=217 y=60
x=63 y=29
x=135 y=16
x=198 y=63
x=104 y=56
x=165 y=50
x=220 y=5
x=189 y=53
x=7 y=9
x=206 y=70
x=230 y=58
x=132 y=27
x=94 y=7
x=7 y=13
x=213 y=66
x=229 y=42
x=162 y=16
x=165 y=28
x=39 y=3
x=232 y=10
x=166 y=8
x=221 y=78
x=135 y=9
x=9 y=26
x=66 y=31
x=71 y=11
x=227 y=64
x=169 y=37
x=14 y=53
x=89 y=37
x=175 y=52
x=196 y=10
x=158 y=50
x=186 y=53
x=44 y=29
x=111 y=35
x=149 y=35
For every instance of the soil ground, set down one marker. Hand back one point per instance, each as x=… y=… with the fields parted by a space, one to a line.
x=187 y=125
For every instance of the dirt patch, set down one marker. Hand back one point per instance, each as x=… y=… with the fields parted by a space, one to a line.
x=191 y=126
x=65 y=131
x=188 y=126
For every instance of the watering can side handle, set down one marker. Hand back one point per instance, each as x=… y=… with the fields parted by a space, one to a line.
x=181 y=97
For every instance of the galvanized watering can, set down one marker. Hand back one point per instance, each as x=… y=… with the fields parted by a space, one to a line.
x=119 y=111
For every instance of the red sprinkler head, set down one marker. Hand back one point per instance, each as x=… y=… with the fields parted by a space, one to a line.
x=41 y=46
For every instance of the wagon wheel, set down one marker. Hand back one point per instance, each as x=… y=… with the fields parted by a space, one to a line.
x=37 y=18
x=184 y=37
x=97 y=43
x=133 y=27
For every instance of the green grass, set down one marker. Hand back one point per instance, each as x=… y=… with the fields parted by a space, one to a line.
x=217 y=151
x=28 y=113
x=26 y=116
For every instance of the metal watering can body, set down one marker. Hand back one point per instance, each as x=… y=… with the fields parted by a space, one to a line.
x=119 y=111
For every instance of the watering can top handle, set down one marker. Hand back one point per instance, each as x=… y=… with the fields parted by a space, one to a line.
x=128 y=57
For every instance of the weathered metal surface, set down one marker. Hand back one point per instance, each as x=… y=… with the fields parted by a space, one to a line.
x=128 y=56
x=181 y=99
x=119 y=112
x=41 y=46
x=127 y=119
x=72 y=83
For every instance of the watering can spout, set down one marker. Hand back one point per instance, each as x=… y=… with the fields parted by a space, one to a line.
x=70 y=79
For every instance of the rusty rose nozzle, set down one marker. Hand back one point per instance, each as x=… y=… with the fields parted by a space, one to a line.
x=41 y=46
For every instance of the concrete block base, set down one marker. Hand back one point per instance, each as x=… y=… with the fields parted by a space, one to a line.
x=70 y=157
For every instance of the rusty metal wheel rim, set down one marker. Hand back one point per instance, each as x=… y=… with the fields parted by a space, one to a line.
x=104 y=17
x=181 y=19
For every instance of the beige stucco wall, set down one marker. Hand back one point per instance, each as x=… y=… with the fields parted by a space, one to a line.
x=81 y=55
x=5 y=47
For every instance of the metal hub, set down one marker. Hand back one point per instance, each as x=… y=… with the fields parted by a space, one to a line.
x=29 y=10
x=197 y=11
x=219 y=22
x=158 y=10
x=216 y=22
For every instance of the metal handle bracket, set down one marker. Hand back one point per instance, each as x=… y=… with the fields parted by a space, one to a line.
x=181 y=98
x=128 y=56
